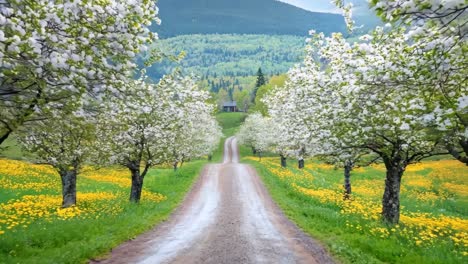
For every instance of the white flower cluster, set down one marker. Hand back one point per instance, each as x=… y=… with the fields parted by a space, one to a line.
x=385 y=93
x=400 y=92
x=58 y=50
x=166 y=122
x=257 y=132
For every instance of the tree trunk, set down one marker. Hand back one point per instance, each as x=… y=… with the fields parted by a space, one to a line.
x=137 y=182
x=348 y=167
x=254 y=151
x=175 y=165
x=391 y=197
x=283 y=161
x=68 y=187
x=464 y=145
x=300 y=164
x=456 y=154
x=259 y=155
x=4 y=136
x=210 y=157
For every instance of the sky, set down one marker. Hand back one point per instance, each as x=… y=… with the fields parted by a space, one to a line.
x=361 y=12
x=314 y=5
x=360 y=6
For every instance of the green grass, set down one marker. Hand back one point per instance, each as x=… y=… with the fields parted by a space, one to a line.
x=338 y=232
x=320 y=221
x=230 y=122
x=76 y=240
x=10 y=149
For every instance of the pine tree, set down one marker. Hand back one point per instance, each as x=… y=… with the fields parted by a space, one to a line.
x=260 y=78
x=260 y=82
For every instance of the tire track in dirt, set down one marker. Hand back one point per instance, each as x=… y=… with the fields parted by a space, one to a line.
x=227 y=217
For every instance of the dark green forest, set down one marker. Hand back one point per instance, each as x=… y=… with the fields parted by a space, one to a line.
x=181 y=17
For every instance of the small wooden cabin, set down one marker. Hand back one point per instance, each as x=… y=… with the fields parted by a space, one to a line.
x=230 y=106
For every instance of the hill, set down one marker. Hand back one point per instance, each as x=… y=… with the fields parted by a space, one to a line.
x=180 y=17
x=230 y=55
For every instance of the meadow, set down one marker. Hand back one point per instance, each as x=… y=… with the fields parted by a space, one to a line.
x=433 y=226
x=35 y=229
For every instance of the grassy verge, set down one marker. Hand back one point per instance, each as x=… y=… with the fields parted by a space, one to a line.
x=34 y=230
x=433 y=226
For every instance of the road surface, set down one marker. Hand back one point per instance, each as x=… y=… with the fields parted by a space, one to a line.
x=228 y=217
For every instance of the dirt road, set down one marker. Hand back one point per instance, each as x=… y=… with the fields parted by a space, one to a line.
x=228 y=217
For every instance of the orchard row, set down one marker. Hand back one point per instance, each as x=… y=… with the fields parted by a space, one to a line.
x=72 y=93
x=398 y=95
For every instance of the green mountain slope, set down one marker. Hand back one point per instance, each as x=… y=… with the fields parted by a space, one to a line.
x=231 y=55
x=180 y=17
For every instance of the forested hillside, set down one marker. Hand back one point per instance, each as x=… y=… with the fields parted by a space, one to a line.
x=231 y=55
x=181 y=17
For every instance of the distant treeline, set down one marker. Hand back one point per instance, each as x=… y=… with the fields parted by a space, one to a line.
x=230 y=55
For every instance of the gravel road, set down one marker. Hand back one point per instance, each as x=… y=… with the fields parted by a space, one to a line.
x=227 y=217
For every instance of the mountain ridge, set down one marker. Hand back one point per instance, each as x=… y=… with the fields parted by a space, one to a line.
x=271 y=17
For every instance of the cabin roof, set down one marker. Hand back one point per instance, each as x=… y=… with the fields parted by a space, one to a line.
x=229 y=104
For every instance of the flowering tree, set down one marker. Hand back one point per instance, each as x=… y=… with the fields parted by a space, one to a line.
x=65 y=141
x=398 y=92
x=297 y=109
x=289 y=140
x=392 y=119
x=280 y=144
x=136 y=129
x=55 y=51
x=438 y=30
x=374 y=95
x=441 y=13
x=256 y=132
x=303 y=111
x=197 y=132
x=247 y=133
x=155 y=124
x=206 y=135
x=437 y=33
